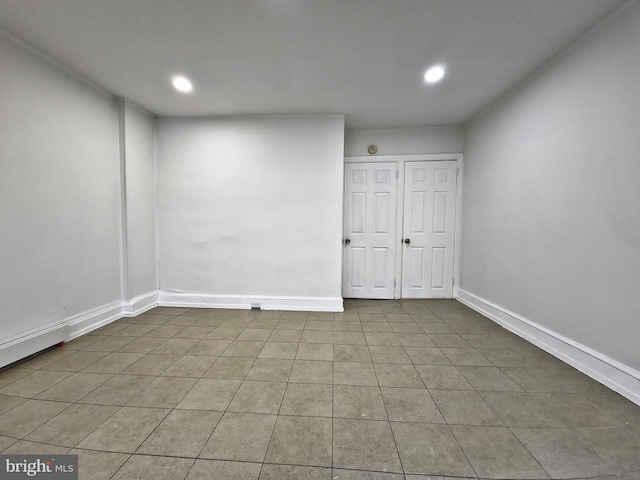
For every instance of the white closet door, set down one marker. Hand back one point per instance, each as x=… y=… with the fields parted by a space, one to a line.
x=369 y=230
x=429 y=229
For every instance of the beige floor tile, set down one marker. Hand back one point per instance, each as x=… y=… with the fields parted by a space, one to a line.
x=243 y=349
x=294 y=472
x=255 y=334
x=394 y=375
x=415 y=339
x=358 y=402
x=212 y=347
x=194 y=333
x=125 y=430
x=339 y=474
x=291 y=324
x=427 y=356
x=312 y=400
x=430 y=449
x=24 y=447
x=183 y=433
x=354 y=373
x=108 y=344
x=279 y=350
x=72 y=425
x=466 y=357
x=113 y=362
x=119 y=390
x=494 y=452
x=8 y=402
x=229 y=368
x=488 y=379
x=151 y=364
x=410 y=405
x=220 y=469
x=210 y=394
x=386 y=354
x=286 y=336
x=16 y=373
x=94 y=465
x=163 y=392
x=521 y=410
x=317 y=336
x=315 y=351
x=224 y=333
x=73 y=388
x=347 y=326
x=258 y=397
x=376 y=327
x=443 y=377
x=142 y=345
x=460 y=407
x=381 y=338
x=351 y=353
x=311 y=371
x=617 y=446
x=318 y=325
x=175 y=346
x=190 y=366
x=348 y=338
x=156 y=468
x=270 y=370
x=562 y=454
x=351 y=451
x=240 y=436
x=37 y=381
x=26 y=417
x=301 y=441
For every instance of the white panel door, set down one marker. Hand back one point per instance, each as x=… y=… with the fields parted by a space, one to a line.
x=369 y=230
x=428 y=235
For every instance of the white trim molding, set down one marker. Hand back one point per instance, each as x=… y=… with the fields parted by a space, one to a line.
x=194 y=300
x=140 y=304
x=611 y=373
x=39 y=339
x=31 y=342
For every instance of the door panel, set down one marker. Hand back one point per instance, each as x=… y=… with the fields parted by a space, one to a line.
x=429 y=221
x=370 y=226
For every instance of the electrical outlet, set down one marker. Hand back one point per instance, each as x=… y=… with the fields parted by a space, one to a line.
x=255 y=305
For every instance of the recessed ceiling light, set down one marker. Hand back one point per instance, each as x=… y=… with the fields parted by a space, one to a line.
x=434 y=74
x=182 y=84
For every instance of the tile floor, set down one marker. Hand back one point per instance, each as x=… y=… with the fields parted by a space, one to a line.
x=385 y=390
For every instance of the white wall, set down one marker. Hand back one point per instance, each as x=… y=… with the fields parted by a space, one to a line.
x=405 y=141
x=140 y=187
x=251 y=207
x=551 y=221
x=59 y=194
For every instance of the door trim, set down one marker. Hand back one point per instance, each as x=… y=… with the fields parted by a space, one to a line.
x=400 y=160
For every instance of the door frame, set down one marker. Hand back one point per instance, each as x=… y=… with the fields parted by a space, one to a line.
x=401 y=160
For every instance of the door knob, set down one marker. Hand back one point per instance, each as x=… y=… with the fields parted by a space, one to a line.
x=347 y=241
x=407 y=241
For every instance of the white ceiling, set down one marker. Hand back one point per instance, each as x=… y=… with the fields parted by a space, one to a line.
x=361 y=58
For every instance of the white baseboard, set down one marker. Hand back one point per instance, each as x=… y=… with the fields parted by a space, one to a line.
x=611 y=373
x=140 y=304
x=95 y=318
x=31 y=342
x=36 y=340
x=309 y=304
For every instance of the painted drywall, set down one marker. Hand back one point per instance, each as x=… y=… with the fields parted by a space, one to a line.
x=140 y=200
x=251 y=205
x=59 y=194
x=405 y=141
x=551 y=220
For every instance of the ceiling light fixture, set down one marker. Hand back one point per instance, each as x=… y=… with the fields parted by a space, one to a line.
x=434 y=74
x=182 y=84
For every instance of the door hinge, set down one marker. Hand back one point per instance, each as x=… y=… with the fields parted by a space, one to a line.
x=457 y=171
x=397 y=174
x=453 y=282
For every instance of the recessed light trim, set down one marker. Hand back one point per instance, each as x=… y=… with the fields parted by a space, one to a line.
x=182 y=84
x=434 y=74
